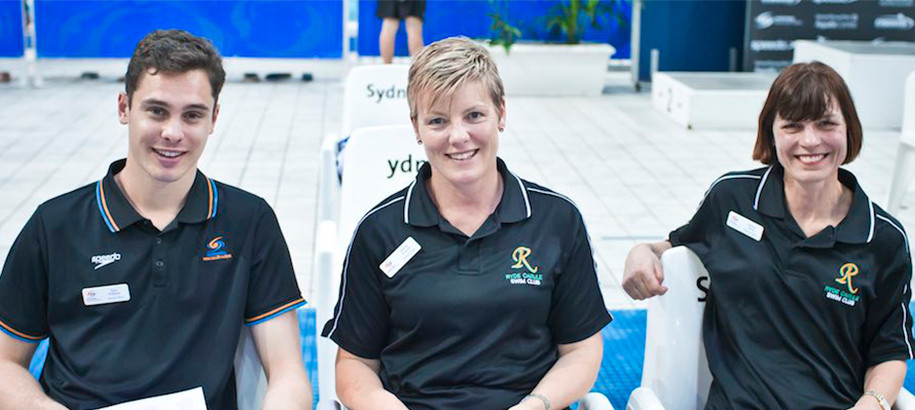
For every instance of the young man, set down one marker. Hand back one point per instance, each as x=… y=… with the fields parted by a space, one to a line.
x=143 y=280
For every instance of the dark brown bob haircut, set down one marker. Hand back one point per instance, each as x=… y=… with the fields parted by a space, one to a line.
x=805 y=92
x=174 y=52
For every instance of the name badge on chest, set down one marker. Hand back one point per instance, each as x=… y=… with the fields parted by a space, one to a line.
x=406 y=251
x=745 y=226
x=102 y=295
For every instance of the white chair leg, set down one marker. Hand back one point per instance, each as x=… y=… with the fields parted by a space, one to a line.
x=903 y=173
x=594 y=401
x=904 y=401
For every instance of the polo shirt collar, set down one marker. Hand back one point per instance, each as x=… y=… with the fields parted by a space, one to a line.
x=117 y=213
x=857 y=227
x=421 y=211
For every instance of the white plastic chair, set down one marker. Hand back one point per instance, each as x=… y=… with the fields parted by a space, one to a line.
x=250 y=379
x=373 y=95
x=905 y=157
x=675 y=374
x=367 y=179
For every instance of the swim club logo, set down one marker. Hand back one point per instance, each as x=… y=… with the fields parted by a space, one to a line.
x=527 y=277
x=216 y=250
x=896 y=21
x=846 y=277
x=104 y=260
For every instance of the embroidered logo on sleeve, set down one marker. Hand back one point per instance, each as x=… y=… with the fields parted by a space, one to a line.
x=216 y=250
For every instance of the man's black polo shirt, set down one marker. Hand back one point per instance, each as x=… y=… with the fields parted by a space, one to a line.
x=468 y=323
x=794 y=322
x=221 y=263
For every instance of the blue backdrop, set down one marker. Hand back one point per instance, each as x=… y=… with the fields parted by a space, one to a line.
x=691 y=35
x=11 y=34
x=471 y=18
x=255 y=28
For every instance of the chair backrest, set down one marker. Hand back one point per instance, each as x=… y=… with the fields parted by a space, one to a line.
x=379 y=162
x=676 y=368
x=908 y=109
x=375 y=95
x=250 y=380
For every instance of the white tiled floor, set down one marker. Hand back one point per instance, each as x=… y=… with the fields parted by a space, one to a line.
x=634 y=173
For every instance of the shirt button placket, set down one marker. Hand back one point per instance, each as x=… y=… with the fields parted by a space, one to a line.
x=159 y=276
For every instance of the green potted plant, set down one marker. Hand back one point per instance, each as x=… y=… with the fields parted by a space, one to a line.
x=550 y=69
x=571 y=17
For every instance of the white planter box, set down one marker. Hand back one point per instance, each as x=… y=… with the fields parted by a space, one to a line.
x=711 y=100
x=875 y=74
x=553 y=69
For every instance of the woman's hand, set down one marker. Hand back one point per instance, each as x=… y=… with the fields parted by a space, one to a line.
x=643 y=276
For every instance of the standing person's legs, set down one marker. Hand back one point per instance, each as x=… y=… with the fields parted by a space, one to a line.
x=414 y=34
x=386 y=39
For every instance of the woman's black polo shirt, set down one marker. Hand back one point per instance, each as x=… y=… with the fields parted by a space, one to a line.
x=221 y=263
x=468 y=322
x=794 y=322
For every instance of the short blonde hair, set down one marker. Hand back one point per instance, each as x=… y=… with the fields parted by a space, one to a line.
x=445 y=65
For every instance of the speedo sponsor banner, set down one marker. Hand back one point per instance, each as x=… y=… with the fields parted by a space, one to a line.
x=773 y=25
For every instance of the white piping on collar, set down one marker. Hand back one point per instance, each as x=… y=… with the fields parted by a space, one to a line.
x=762 y=183
x=406 y=204
x=527 y=201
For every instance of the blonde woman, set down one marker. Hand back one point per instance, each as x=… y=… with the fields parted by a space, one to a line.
x=471 y=288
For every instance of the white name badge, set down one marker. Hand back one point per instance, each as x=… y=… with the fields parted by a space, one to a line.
x=406 y=251
x=745 y=226
x=106 y=294
x=185 y=400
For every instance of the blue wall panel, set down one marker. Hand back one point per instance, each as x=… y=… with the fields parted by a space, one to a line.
x=471 y=18
x=255 y=28
x=11 y=32
x=691 y=35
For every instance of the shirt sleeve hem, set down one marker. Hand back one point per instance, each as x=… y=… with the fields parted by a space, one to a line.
x=583 y=333
x=355 y=349
x=22 y=336
x=876 y=359
x=274 y=312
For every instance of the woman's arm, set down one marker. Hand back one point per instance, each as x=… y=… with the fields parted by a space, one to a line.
x=358 y=385
x=886 y=379
x=570 y=378
x=642 y=276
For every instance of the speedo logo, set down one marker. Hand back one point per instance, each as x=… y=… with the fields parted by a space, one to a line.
x=102 y=260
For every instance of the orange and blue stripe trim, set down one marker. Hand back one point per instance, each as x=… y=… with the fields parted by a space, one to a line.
x=214 y=198
x=103 y=207
x=275 y=312
x=15 y=334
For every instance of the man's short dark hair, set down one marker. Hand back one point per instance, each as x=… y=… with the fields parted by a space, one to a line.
x=174 y=52
x=805 y=91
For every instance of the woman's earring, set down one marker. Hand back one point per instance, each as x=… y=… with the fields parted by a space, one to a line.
x=419 y=141
x=501 y=129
